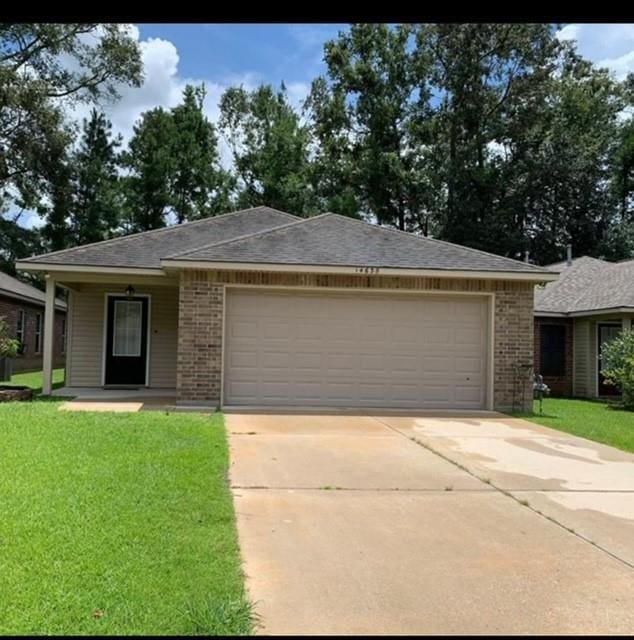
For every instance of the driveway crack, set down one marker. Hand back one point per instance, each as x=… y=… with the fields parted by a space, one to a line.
x=505 y=492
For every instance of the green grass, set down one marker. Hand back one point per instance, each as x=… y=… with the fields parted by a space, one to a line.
x=34 y=380
x=589 y=419
x=116 y=523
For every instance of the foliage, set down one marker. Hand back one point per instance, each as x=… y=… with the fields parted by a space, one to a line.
x=96 y=202
x=173 y=166
x=43 y=69
x=371 y=121
x=270 y=149
x=496 y=136
x=618 y=365
x=150 y=164
x=8 y=346
x=199 y=186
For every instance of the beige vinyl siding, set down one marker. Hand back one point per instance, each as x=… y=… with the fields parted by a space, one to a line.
x=86 y=326
x=581 y=374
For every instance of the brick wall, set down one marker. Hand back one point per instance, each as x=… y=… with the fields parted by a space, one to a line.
x=559 y=385
x=201 y=314
x=30 y=360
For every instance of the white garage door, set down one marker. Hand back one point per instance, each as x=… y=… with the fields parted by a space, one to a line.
x=363 y=350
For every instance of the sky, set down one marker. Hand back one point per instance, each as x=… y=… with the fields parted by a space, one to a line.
x=223 y=55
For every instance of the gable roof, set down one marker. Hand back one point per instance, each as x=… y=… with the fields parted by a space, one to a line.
x=587 y=285
x=11 y=287
x=145 y=249
x=334 y=240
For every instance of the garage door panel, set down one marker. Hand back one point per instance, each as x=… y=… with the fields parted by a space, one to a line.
x=354 y=350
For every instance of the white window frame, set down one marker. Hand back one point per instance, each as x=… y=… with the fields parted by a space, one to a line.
x=20 y=332
x=63 y=335
x=39 y=338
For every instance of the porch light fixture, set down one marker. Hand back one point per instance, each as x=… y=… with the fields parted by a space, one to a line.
x=129 y=291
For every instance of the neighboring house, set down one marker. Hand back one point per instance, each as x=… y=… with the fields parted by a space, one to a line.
x=590 y=303
x=22 y=307
x=261 y=308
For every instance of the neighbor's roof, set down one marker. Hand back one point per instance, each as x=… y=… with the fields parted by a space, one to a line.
x=334 y=240
x=268 y=237
x=13 y=288
x=588 y=284
x=145 y=249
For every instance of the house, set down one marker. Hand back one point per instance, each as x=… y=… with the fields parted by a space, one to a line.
x=259 y=308
x=22 y=308
x=590 y=303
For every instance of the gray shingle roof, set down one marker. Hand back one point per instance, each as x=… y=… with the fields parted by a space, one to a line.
x=334 y=240
x=14 y=288
x=587 y=285
x=146 y=249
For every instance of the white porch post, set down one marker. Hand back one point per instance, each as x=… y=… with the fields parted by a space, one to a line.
x=49 y=322
x=627 y=324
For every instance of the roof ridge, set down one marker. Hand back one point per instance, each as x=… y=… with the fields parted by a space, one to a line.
x=171 y=227
x=443 y=242
x=246 y=236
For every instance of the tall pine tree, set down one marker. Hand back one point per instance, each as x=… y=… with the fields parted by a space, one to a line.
x=96 y=199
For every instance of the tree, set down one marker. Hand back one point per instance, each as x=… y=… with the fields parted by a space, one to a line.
x=270 y=149
x=43 y=69
x=150 y=164
x=618 y=365
x=95 y=208
x=558 y=174
x=624 y=171
x=16 y=242
x=199 y=185
x=56 y=207
x=370 y=118
x=489 y=81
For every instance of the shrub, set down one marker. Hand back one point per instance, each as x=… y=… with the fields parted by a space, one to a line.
x=617 y=359
x=8 y=346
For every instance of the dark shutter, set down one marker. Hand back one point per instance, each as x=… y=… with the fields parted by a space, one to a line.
x=553 y=350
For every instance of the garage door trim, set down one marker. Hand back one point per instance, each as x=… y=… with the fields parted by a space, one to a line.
x=488 y=295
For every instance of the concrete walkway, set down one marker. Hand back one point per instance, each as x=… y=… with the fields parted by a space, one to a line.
x=431 y=525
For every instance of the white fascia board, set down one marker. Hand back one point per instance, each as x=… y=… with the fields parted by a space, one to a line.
x=342 y=270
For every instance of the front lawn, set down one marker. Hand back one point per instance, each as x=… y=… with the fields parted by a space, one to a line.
x=116 y=523
x=589 y=419
x=34 y=380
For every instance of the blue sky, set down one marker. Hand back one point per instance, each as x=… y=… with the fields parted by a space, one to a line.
x=288 y=52
x=222 y=55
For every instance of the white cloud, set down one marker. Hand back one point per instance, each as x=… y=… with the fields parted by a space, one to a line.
x=607 y=45
x=569 y=32
x=163 y=87
x=619 y=66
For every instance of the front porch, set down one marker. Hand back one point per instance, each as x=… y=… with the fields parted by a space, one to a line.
x=119 y=400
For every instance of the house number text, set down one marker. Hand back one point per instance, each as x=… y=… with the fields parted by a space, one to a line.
x=366 y=269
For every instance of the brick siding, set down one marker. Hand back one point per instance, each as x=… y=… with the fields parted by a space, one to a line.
x=30 y=360
x=201 y=308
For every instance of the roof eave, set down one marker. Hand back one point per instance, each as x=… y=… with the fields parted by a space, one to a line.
x=23 y=298
x=172 y=263
x=583 y=312
x=25 y=265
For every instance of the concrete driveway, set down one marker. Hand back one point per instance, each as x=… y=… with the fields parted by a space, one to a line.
x=468 y=524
